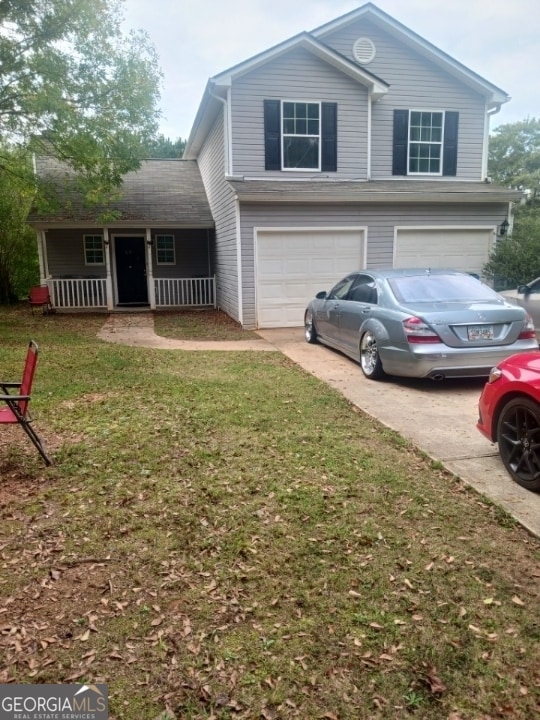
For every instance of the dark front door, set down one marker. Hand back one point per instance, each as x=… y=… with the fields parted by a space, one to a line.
x=131 y=270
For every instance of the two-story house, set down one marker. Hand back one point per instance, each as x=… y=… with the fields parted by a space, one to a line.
x=356 y=145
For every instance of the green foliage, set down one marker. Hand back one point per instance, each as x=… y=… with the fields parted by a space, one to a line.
x=72 y=86
x=514 y=161
x=514 y=155
x=164 y=147
x=18 y=251
x=516 y=257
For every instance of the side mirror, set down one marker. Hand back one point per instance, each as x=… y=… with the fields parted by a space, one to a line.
x=523 y=289
x=322 y=295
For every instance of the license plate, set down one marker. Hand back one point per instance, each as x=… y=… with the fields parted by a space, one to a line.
x=480 y=332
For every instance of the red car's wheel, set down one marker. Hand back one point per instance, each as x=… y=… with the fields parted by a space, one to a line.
x=518 y=435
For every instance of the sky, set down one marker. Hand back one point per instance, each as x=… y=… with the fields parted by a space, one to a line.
x=197 y=39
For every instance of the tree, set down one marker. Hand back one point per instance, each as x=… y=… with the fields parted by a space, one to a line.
x=18 y=258
x=73 y=86
x=514 y=155
x=164 y=147
x=514 y=161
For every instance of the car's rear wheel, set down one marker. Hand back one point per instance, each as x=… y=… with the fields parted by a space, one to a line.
x=518 y=435
x=309 y=327
x=370 y=362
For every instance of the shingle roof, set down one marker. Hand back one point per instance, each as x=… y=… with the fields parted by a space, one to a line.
x=164 y=192
x=336 y=191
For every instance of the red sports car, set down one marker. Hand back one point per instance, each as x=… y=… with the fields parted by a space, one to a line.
x=509 y=413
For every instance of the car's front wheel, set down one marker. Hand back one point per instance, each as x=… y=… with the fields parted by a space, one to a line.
x=518 y=435
x=309 y=327
x=370 y=362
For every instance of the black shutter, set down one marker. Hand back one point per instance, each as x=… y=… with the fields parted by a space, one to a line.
x=272 y=134
x=401 y=140
x=329 y=137
x=451 y=122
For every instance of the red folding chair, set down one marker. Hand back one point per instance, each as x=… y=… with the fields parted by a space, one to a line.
x=40 y=297
x=17 y=403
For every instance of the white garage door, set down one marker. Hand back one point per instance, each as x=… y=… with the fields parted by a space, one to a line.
x=293 y=265
x=466 y=250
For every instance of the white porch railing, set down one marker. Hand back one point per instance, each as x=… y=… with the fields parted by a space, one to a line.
x=169 y=292
x=78 y=292
x=175 y=292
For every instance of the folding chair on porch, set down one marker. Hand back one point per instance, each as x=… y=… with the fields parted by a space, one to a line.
x=17 y=402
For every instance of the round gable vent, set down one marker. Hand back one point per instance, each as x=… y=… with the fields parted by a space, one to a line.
x=363 y=51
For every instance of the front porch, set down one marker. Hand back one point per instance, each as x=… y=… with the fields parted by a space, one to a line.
x=91 y=293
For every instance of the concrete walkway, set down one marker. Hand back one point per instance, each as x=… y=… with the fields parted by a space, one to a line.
x=439 y=418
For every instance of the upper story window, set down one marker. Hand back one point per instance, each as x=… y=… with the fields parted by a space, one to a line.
x=425 y=142
x=301 y=136
x=165 y=250
x=93 y=250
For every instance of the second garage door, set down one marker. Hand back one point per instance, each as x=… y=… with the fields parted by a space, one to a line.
x=464 y=249
x=293 y=265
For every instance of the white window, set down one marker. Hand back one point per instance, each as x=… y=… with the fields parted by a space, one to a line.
x=93 y=250
x=426 y=132
x=165 y=250
x=301 y=136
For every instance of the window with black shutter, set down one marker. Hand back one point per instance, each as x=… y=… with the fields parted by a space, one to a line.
x=300 y=136
x=425 y=142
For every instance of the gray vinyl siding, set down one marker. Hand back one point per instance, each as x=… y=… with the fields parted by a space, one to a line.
x=380 y=220
x=298 y=76
x=223 y=206
x=65 y=253
x=415 y=83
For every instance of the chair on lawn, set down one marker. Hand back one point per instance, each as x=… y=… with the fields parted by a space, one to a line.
x=40 y=297
x=17 y=402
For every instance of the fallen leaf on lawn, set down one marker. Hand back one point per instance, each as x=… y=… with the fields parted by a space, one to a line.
x=517 y=600
x=84 y=637
x=436 y=685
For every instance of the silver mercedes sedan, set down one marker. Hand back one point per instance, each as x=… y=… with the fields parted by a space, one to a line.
x=419 y=323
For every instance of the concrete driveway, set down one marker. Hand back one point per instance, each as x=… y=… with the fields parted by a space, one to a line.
x=439 y=418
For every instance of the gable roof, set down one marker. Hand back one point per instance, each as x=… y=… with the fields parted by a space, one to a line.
x=313 y=41
x=217 y=86
x=494 y=94
x=165 y=193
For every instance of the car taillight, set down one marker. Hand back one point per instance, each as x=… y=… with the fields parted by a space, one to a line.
x=417 y=331
x=528 y=331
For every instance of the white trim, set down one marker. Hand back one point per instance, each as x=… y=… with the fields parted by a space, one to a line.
x=150 y=266
x=493 y=94
x=93 y=264
x=273 y=229
x=163 y=235
x=114 y=270
x=42 y=255
x=108 y=266
x=239 y=261
x=423 y=142
x=294 y=135
x=438 y=228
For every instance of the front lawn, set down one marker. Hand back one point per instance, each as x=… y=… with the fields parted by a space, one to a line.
x=224 y=536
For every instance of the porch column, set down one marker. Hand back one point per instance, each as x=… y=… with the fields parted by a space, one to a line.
x=42 y=256
x=108 y=281
x=150 y=270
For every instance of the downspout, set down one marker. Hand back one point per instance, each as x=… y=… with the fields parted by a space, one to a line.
x=108 y=279
x=226 y=130
x=485 y=154
x=368 y=167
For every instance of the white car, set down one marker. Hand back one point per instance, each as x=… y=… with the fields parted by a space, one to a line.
x=528 y=297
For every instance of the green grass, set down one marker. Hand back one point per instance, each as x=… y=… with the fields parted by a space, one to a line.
x=222 y=536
